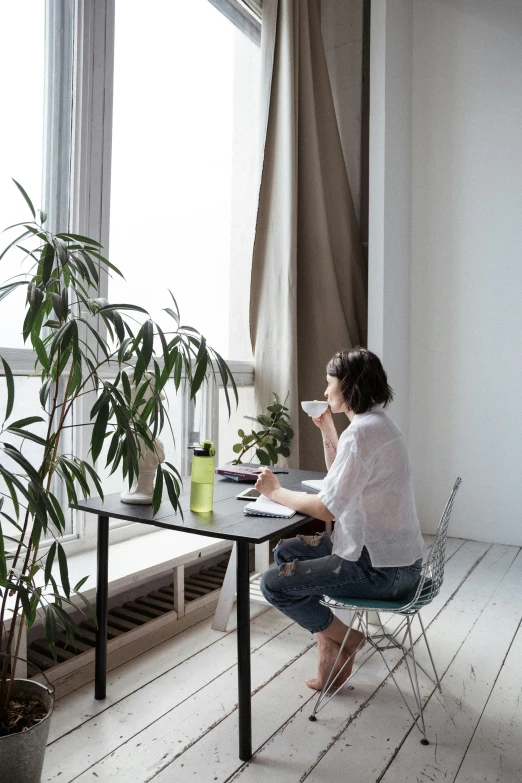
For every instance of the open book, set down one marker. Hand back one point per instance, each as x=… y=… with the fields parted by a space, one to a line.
x=263 y=507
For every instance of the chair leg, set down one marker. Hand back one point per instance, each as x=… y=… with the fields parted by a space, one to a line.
x=417 y=693
x=429 y=653
x=330 y=682
x=414 y=683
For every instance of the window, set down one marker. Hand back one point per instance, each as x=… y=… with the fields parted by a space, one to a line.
x=163 y=138
x=35 y=142
x=184 y=166
x=21 y=138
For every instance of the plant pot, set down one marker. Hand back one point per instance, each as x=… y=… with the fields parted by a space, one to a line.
x=22 y=754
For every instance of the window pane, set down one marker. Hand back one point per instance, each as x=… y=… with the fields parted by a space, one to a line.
x=21 y=139
x=184 y=166
x=228 y=427
x=27 y=403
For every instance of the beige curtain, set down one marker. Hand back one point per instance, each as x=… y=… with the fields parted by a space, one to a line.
x=308 y=291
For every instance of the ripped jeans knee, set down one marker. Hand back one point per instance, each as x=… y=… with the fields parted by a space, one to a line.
x=314 y=540
x=302 y=548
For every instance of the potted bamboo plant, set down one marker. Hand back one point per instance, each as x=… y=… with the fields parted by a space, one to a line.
x=76 y=336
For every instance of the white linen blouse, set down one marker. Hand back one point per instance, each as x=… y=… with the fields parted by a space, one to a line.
x=369 y=489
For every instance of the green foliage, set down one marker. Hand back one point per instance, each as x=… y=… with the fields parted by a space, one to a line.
x=272 y=440
x=80 y=340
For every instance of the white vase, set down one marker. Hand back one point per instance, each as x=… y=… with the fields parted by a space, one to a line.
x=143 y=488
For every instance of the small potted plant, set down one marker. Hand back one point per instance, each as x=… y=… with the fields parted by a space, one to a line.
x=71 y=359
x=270 y=438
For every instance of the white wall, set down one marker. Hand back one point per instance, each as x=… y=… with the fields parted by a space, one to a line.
x=466 y=276
x=389 y=235
x=445 y=239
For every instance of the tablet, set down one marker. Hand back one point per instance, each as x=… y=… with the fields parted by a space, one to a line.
x=249 y=494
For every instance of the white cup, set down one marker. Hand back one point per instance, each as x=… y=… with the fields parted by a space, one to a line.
x=314 y=407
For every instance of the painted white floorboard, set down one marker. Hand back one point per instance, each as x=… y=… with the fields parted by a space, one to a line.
x=379 y=728
x=308 y=740
x=80 y=706
x=191 y=729
x=494 y=754
x=451 y=718
x=218 y=750
x=289 y=752
x=171 y=712
x=137 y=708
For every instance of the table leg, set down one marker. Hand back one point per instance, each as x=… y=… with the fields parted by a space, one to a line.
x=100 y=665
x=243 y=652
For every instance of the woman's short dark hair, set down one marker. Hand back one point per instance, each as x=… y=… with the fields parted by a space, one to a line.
x=362 y=377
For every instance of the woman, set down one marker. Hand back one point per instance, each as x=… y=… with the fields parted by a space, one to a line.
x=376 y=548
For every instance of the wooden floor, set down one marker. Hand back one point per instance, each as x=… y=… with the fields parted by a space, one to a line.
x=170 y=715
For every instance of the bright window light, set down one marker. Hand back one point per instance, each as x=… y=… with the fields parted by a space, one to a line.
x=22 y=39
x=185 y=166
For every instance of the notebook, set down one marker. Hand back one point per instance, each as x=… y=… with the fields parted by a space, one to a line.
x=314 y=484
x=239 y=472
x=263 y=507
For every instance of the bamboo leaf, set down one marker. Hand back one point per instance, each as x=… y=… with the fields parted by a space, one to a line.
x=95 y=478
x=106 y=262
x=199 y=375
x=133 y=308
x=80 y=238
x=112 y=448
x=10 y=389
x=18 y=457
x=92 y=267
x=78 y=474
x=47 y=263
x=64 y=570
x=5 y=290
x=57 y=515
x=148 y=342
x=26 y=197
x=173 y=491
x=99 y=431
x=49 y=562
x=126 y=386
x=51 y=631
x=158 y=491
x=40 y=351
x=24 y=598
x=80 y=584
x=12 y=492
x=21 y=433
x=98 y=338
x=89 y=606
x=58 y=305
x=3 y=560
x=14 y=242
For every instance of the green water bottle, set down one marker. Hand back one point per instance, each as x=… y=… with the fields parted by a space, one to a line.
x=202 y=477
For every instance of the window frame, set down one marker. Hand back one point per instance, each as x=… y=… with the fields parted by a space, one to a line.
x=78 y=140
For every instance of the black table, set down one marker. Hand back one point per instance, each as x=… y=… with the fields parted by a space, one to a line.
x=226 y=521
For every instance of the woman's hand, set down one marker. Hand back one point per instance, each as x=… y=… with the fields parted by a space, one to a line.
x=267 y=483
x=325 y=423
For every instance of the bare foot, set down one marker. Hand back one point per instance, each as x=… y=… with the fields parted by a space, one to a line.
x=328 y=651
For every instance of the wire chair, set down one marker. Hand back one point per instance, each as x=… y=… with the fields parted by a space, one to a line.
x=408 y=608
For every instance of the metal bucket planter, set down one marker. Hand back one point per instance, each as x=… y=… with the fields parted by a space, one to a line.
x=22 y=754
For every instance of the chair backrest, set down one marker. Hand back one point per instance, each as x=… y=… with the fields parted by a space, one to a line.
x=433 y=569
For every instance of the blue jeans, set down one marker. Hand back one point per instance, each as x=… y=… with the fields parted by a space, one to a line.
x=307 y=571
